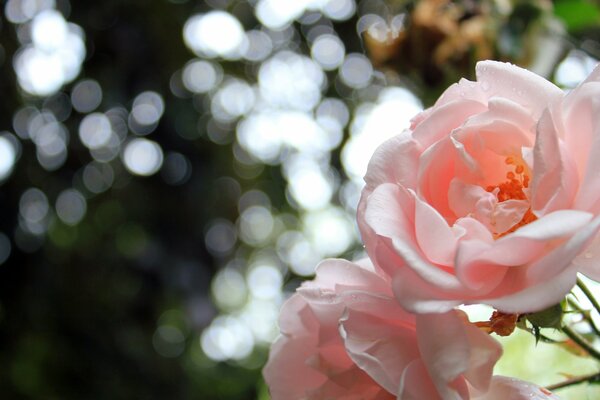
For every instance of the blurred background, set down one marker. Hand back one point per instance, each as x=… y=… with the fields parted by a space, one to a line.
x=171 y=170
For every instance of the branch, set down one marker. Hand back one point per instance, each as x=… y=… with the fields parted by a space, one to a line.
x=581 y=342
x=575 y=381
x=586 y=315
x=588 y=293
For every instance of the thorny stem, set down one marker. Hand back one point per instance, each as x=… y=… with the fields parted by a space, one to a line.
x=575 y=380
x=581 y=342
x=585 y=315
x=588 y=293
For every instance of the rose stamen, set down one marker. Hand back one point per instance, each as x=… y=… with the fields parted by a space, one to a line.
x=512 y=189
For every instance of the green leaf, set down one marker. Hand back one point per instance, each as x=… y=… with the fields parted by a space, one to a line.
x=577 y=14
x=549 y=318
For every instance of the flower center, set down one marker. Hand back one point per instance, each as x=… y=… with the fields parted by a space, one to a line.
x=513 y=189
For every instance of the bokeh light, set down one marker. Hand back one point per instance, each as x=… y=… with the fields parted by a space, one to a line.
x=216 y=33
x=142 y=157
x=54 y=55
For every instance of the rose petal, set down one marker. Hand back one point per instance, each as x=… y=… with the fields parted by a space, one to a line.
x=419 y=296
x=394 y=161
x=471 y=351
x=504 y=388
x=379 y=347
x=440 y=165
x=465 y=199
x=416 y=383
x=444 y=119
x=582 y=139
x=434 y=236
x=512 y=82
x=555 y=180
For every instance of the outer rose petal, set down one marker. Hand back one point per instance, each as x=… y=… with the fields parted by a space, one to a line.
x=416 y=385
x=380 y=347
x=462 y=350
x=290 y=379
x=504 y=388
x=509 y=81
x=555 y=177
x=395 y=161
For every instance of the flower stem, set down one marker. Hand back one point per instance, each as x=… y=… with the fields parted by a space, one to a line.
x=575 y=380
x=581 y=342
x=586 y=315
x=588 y=293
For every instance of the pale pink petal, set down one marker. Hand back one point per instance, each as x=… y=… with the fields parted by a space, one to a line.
x=309 y=360
x=581 y=137
x=394 y=161
x=332 y=272
x=390 y=212
x=295 y=316
x=507 y=214
x=371 y=240
x=380 y=347
x=555 y=180
x=588 y=197
x=462 y=350
x=588 y=261
x=465 y=199
x=351 y=384
x=562 y=257
x=515 y=295
x=485 y=352
x=512 y=82
x=289 y=380
x=511 y=114
x=504 y=388
x=434 y=236
x=419 y=296
x=416 y=383
x=552 y=226
x=463 y=89
x=444 y=119
x=377 y=305
x=526 y=243
x=479 y=275
x=436 y=172
x=479 y=265
x=431 y=273
x=474 y=230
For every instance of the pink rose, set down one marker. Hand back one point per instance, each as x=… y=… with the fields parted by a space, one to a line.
x=490 y=196
x=344 y=336
x=309 y=360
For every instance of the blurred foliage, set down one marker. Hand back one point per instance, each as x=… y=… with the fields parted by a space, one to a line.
x=114 y=306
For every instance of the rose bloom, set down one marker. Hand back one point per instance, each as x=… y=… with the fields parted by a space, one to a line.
x=344 y=336
x=491 y=196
